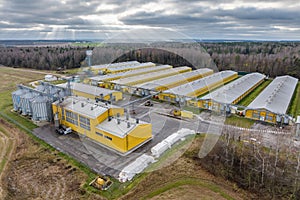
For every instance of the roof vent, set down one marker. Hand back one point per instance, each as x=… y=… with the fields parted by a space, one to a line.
x=92 y=108
x=118 y=114
x=128 y=124
x=118 y=121
x=109 y=118
x=82 y=104
x=137 y=120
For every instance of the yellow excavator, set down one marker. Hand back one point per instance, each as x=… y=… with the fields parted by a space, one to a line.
x=101 y=182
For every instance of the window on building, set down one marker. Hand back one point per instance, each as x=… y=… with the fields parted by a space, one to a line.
x=63 y=114
x=100 y=134
x=84 y=123
x=107 y=137
x=72 y=117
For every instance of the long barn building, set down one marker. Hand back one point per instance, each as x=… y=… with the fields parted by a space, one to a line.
x=232 y=93
x=135 y=80
x=198 y=87
x=173 y=81
x=103 y=79
x=272 y=103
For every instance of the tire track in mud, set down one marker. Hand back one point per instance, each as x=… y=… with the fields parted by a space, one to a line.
x=7 y=146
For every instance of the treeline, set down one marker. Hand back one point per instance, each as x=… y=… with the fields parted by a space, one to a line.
x=43 y=58
x=270 y=58
x=271 y=173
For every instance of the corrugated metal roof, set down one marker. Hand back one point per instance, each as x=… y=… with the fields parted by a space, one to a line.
x=112 y=65
x=132 y=67
x=172 y=79
x=277 y=96
x=131 y=73
x=88 y=89
x=186 y=89
x=232 y=91
x=125 y=81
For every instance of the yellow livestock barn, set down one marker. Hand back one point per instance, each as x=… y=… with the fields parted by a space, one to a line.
x=232 y=93
x=93 y=92
x=103 y=123
x=273 y=102
x=197 y=87
x=173 y=81
x=100 y=69
x=135 y=80
x=125 y=68
x=103 y=79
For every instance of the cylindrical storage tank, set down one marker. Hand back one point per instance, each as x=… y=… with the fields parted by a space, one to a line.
x=26 y=103
x=40 y=108
x=41 y=87
x=16 y=97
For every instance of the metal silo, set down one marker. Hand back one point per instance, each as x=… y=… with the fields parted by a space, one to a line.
x=25 y=102
x=41 y=108
x=16 y=97
x=41 y=87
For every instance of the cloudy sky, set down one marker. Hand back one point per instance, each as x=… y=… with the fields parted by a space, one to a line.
x=86 y=19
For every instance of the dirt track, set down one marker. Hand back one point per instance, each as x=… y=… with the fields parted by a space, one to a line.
x=8 y=140
x=36 y=173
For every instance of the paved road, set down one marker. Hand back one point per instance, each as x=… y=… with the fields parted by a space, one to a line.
x=105 y=161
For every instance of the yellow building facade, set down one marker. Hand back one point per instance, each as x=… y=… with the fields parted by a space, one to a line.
x=93 y=92
x=103 y=123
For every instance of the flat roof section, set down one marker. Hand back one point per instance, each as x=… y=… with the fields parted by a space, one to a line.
x=83 y=107
x=232 y=91
x=129 y=73
x=149 y=76
x=119 y=130
x=188 y=88
x=172 y=79
x=276 y=96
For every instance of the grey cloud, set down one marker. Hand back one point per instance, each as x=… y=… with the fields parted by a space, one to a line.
x=197 y=18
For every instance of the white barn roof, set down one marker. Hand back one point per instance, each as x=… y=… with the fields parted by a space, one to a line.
x=188 y=88
x=277 y=96
x=172 y=79
x=232 y=91
x=131 y=73
x=129 y=80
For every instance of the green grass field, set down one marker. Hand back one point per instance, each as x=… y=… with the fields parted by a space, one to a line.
x=294 y=108
x=239 y=121
x=252 y=95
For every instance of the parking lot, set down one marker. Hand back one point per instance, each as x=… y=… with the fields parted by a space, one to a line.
x=106 y=161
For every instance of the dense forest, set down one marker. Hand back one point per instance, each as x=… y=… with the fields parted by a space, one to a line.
x=270 y=58
x=43 y=58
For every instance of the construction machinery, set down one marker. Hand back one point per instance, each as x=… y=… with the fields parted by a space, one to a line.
x=181 y=113
x=101 y=182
